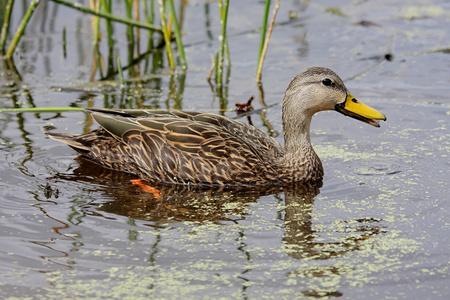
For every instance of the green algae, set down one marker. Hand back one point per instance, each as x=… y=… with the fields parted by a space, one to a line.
x=343 y=153
x=421 y=12
x=336 y=11
x=362 y=256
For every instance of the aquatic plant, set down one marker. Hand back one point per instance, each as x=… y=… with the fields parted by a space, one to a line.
x=265 y=37
x=168 y=31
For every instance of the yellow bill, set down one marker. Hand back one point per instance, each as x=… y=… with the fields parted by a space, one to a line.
x=354 y=108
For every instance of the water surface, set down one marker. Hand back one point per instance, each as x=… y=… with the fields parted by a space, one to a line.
x=376 y=229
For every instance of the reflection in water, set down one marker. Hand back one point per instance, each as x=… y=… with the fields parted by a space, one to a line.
x=179 y=204
x=300 y=236
x=56 y=254
x=175 y=204
x=176 y=90
x=222 y=206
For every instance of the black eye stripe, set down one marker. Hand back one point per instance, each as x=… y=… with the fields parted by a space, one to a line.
x=327 y=82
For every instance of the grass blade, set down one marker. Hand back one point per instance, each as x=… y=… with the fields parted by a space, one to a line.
x=266 y=42
x=21 y=28
x=222 y=38
x=263 y=29
x=41 y=109
x=177 y=34
x=166 y=33
x=119 y=67
x=129 y=7
x=5 y=27
x=108 y=16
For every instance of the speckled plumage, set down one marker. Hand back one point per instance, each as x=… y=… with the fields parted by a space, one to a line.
x=193 y=148
x=185 y=147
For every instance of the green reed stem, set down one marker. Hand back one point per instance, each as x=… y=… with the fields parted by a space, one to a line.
x=5 y=27
x=177 y=34
x=119 y=68
x=152 y=11
x=165 y=31
x=149 y=13
x=149 y=18
x=64 y=42
x=130 y=33
x=97 y=24
x=222 y=38
x=226 y=48
x=227 y=53
x=216 y=66
x=108 y=15
x=108 y=9
x=21 y=28
x=266 y=42
x=41 y=109
x=263 y=30
x=98 y=58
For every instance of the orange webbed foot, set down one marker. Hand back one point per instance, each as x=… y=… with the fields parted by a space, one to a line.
x=150 y=189
x=147 y=188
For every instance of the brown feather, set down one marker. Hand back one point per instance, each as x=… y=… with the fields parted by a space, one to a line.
x=180 y=147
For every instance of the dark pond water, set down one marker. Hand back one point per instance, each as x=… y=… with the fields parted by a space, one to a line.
x=377 y=229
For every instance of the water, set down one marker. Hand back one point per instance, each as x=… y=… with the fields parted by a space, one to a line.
x=378 y=228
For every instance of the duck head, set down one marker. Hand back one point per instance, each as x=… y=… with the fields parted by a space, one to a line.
x=316 y=89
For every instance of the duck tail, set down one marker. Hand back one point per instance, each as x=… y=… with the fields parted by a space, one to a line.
x=69 y=139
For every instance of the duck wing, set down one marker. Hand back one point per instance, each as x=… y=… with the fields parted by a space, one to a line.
x=180 y=147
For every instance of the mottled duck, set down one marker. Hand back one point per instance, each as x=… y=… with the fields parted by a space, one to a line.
x=195 y=148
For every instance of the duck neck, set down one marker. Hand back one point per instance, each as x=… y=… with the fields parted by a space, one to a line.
x=296 y=134
x=300 y=157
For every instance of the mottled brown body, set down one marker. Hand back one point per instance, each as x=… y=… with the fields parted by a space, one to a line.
x=189 y=148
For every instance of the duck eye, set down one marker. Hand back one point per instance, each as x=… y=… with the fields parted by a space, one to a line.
x=327 y=82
